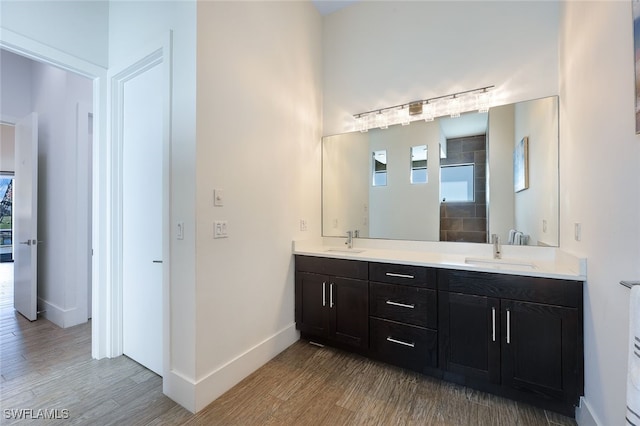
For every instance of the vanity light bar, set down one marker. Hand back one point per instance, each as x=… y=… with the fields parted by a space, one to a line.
x=426 y=109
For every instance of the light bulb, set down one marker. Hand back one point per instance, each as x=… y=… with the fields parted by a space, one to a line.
x=382 y=120
x=428 y=111
x=483 y=101
x=454 y=107
x=405 y=118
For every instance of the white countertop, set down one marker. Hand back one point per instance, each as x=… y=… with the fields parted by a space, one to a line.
x=546 y=262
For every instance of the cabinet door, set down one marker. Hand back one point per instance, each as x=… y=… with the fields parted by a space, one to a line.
x=469 y=335
x=349 y=312
x=311 y=303
x=539 y=352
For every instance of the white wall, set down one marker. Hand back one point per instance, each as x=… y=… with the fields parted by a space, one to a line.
x=536 y=208
x=78 y=28
x=599 y=155
x=55 y=95
x=401 y=210
x=15 y=86
x=500 y=173
x=136 y=29
x=259 y=128
x=378 y=54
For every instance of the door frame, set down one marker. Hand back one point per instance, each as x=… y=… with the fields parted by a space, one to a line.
x=101 y=274
x=146 y=58
x=106 y=337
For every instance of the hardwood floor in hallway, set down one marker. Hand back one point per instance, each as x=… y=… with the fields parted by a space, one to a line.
x=44 y=367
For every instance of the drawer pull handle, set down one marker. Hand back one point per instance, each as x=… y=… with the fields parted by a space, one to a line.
x=324 y=293
x=508 y=326
x=331 y=295
x=400 y=342
x=392 y=274
x=402 y=305
x=493 y=323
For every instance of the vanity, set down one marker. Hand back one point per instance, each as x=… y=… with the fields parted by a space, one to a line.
x=415 y=289
x=512 y=328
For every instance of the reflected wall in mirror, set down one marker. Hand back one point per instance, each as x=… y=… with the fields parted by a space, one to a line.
x=379 y=168
x=419 y=164
x=405 y=210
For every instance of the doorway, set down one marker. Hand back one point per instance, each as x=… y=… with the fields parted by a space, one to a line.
x=106 y=212
x=63 y=166
x=6 y=216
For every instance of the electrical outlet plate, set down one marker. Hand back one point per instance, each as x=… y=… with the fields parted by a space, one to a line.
x=220 y=229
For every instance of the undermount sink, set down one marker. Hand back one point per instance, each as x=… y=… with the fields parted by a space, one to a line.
x=498 y=262
x=344 y=250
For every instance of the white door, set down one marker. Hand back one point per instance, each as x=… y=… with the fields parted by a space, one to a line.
x=25 y=213
x=142 y=148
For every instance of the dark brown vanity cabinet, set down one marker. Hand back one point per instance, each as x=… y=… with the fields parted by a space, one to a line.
x=403 y=315
x=516 y=336
x=519 y=335
x=332 y=301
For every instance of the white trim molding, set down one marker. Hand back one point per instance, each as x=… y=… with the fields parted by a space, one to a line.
x=228 y=375
x=584 y=414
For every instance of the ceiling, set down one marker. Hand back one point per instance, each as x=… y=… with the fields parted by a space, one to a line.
x=326 y=7
x=466 y=125
x=470 y=124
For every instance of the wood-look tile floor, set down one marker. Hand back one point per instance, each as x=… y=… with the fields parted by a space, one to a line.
x=45 y=367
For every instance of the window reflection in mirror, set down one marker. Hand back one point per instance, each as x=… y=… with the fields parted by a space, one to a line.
x=456 y=183
x=419 y=164
x=380 y=168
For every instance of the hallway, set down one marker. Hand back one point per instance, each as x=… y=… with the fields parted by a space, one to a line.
x=44 y=367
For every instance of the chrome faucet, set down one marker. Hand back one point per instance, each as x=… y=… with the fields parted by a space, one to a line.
x=349 y=241
x=497 y=250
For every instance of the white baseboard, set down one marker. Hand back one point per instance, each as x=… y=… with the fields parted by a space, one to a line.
x=224 y=378
x=61 y=317
x=180 y=389
x=584 y=415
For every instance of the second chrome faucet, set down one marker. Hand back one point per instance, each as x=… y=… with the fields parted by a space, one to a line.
x=497 y=249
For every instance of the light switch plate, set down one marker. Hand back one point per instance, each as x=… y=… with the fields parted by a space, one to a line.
x=218 y=197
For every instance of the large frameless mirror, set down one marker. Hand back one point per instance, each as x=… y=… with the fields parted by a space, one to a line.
x=383 y=184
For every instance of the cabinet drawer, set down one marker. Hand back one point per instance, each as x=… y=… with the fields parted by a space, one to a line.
x=531 y=289
x=412 y=305
x=417 y=276
x=403 y=345
x=335 y=267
